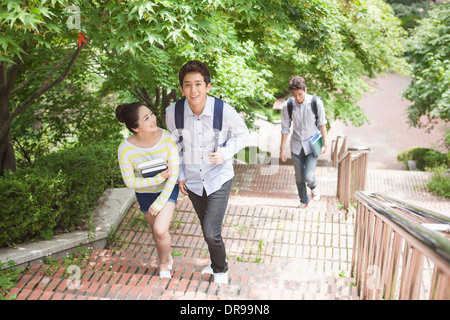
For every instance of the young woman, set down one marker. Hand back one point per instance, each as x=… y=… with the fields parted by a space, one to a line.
x=156 y=195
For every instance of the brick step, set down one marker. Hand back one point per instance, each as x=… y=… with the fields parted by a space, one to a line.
x=104 y=278
x=253 y=231
x=275 y=251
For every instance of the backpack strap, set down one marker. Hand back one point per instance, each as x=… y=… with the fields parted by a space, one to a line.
x=217 y=121
x=179 y=120
x=314 y=108
x=290 y=106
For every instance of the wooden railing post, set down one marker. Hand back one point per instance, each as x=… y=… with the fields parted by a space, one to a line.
x=338 y=148
x=352 y=172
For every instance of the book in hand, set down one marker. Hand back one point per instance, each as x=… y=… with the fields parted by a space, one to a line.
x=152 y=167
x=316 y=144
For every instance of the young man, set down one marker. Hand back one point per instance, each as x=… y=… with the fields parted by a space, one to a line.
x=206 y=173
x=304 y=127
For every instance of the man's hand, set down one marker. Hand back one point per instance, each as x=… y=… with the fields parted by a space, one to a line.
x=282 y=155
x=181 y=185
x=284 y=137
x=217 y=157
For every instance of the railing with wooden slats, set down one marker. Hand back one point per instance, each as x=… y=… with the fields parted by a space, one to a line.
x=352 y=172
x=400 y=251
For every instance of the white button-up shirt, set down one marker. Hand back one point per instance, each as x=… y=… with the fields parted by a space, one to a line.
x=198 y=142
x=304 y=123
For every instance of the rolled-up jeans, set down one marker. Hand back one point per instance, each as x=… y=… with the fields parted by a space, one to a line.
x=305 y=173
x=211 y=211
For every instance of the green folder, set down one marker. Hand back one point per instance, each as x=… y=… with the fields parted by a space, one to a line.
x=316 y=144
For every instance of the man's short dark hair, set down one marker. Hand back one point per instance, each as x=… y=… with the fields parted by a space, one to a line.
x=297 y=83
x=194 y=66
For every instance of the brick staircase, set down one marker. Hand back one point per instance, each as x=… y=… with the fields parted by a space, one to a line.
x=275 y=251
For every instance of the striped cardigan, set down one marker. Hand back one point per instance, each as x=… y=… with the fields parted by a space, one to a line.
x=130 y=156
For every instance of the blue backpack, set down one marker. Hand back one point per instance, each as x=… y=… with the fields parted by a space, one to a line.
x=217 y=120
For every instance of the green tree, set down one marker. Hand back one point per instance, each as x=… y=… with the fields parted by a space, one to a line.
x=428 y=52
x=137 y=47
x=42 y=41
x=410 y=11
x=336 y=45
x=23 y=30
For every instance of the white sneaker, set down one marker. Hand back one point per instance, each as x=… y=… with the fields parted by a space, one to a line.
x=208 y=270
x=170 y=266
x=221 y=278
x=303 y=205
x=315 y=194
x=165 y=274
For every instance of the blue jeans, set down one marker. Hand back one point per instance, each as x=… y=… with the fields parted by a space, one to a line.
x=305 y=173
x=211 y=211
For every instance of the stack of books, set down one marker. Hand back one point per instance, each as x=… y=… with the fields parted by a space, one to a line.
x=316 y=144
x=152 y=167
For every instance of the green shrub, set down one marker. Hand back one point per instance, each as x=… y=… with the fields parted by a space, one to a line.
x=425 y=158
x=440 y=182
x=59 y=193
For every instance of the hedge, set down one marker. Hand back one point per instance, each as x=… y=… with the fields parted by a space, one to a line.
x=58 y=194
x=425 y=158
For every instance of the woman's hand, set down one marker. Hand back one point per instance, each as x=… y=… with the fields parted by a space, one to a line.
x=166 y=173
x=152 y=211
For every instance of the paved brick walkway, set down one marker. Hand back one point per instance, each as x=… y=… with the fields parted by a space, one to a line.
x=275 y=250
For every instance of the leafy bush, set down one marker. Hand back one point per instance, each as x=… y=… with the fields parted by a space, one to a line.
x=431 y=160
x=440 y=182
x=58 y=193
x=425 y=158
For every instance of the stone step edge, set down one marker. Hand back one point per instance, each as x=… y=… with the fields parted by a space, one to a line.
x=112 y=207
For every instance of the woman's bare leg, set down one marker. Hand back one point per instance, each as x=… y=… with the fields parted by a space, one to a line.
x=160 y=227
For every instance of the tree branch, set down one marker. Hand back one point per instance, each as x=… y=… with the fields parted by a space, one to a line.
x=157 y=97
x=3 y=77
x=39 y=92
x=139 y=95
x=58 y=66
x=24 y=84
x=15 y=68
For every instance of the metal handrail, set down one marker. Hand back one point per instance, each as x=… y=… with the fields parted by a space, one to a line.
x=385 y=228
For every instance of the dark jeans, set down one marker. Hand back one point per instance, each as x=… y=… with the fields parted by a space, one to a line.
x=211 y=211
x=305 y=173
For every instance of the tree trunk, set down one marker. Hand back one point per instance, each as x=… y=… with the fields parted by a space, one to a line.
x=7 y=155
x=7 y=158
x=7 y=79
x=161 y=101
